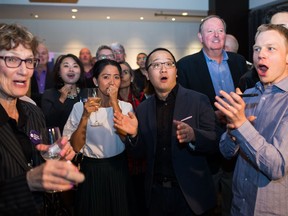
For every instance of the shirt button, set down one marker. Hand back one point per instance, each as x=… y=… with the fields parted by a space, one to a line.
x=164 y=149
x=246 y=179
x=243 y=200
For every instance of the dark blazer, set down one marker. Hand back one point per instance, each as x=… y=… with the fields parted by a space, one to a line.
x=193 y=73
x=190 y=166
x=15 y=196
x=57 y=113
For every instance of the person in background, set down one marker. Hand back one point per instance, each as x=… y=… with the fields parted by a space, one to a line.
x=24 y=177
x=175 y=129
x=119 y=52
x=257 y=130
x=140 y=74
x=86 y=59
x=231 y=44
x=104 y=52
x=94 y=59
x=42 y=78
x=58 y=102
x=106 y=190
x=129 y=92
x=208 y=71
x=277 y=16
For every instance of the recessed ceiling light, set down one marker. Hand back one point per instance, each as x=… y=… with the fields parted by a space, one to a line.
x=73 y=17
x=108 y=17
x=184 y=14
x=74 y=10
x=173 y=19
x=141 y=18
x=36 y=16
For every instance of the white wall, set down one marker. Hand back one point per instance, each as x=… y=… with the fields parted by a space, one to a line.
x=70 y=36
x=159 y=4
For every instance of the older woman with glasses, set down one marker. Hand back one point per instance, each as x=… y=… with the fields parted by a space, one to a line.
x=23 y=178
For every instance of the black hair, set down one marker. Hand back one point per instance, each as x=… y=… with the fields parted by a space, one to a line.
x=59 y=83
x=155 y=50
x=270 y=13
x=101 y=64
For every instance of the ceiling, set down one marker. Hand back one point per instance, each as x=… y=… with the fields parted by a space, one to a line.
x=60 y=12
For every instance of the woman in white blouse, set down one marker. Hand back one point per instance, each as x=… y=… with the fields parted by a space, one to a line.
x=105 y=190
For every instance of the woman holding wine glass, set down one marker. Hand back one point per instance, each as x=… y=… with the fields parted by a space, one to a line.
x=24 y=177
x=105 y=190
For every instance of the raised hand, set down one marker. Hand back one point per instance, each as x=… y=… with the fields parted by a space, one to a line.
x=233 y=107
x=184 y=132
x=128 y=124
x=67 y=151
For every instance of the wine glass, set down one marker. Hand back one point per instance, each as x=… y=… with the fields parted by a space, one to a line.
x=92 y=96
x=50 y=136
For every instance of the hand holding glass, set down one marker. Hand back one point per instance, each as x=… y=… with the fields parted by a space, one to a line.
x=51 y=136
x=92 y=96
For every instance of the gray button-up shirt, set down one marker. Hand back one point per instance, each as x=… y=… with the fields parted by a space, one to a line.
x=260 y=182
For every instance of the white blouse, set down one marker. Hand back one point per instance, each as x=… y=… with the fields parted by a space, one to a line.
x=101 y=141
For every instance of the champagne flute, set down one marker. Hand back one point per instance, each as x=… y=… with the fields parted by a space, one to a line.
x=92 y=96
x=50 y=136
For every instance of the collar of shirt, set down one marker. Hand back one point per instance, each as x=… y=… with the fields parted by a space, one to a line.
x=4 y=118
x=171 y=95
x=89 y=74
x=224 y=53
x=282 y=85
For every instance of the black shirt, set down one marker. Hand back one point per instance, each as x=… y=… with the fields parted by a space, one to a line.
x=18 y=130
x=164 y=114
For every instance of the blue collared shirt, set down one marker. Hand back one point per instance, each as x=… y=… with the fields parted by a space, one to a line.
x=220 y=74
x=260 y=182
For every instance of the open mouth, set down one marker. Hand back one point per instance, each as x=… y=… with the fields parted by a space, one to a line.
x=263 y=68
x=164 y=78
x=19 y=82
x=71 y=76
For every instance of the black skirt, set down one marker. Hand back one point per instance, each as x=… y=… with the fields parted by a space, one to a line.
x=105 y=191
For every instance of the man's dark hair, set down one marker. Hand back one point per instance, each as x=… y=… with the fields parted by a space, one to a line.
x=273 y=11
x=155 y=50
